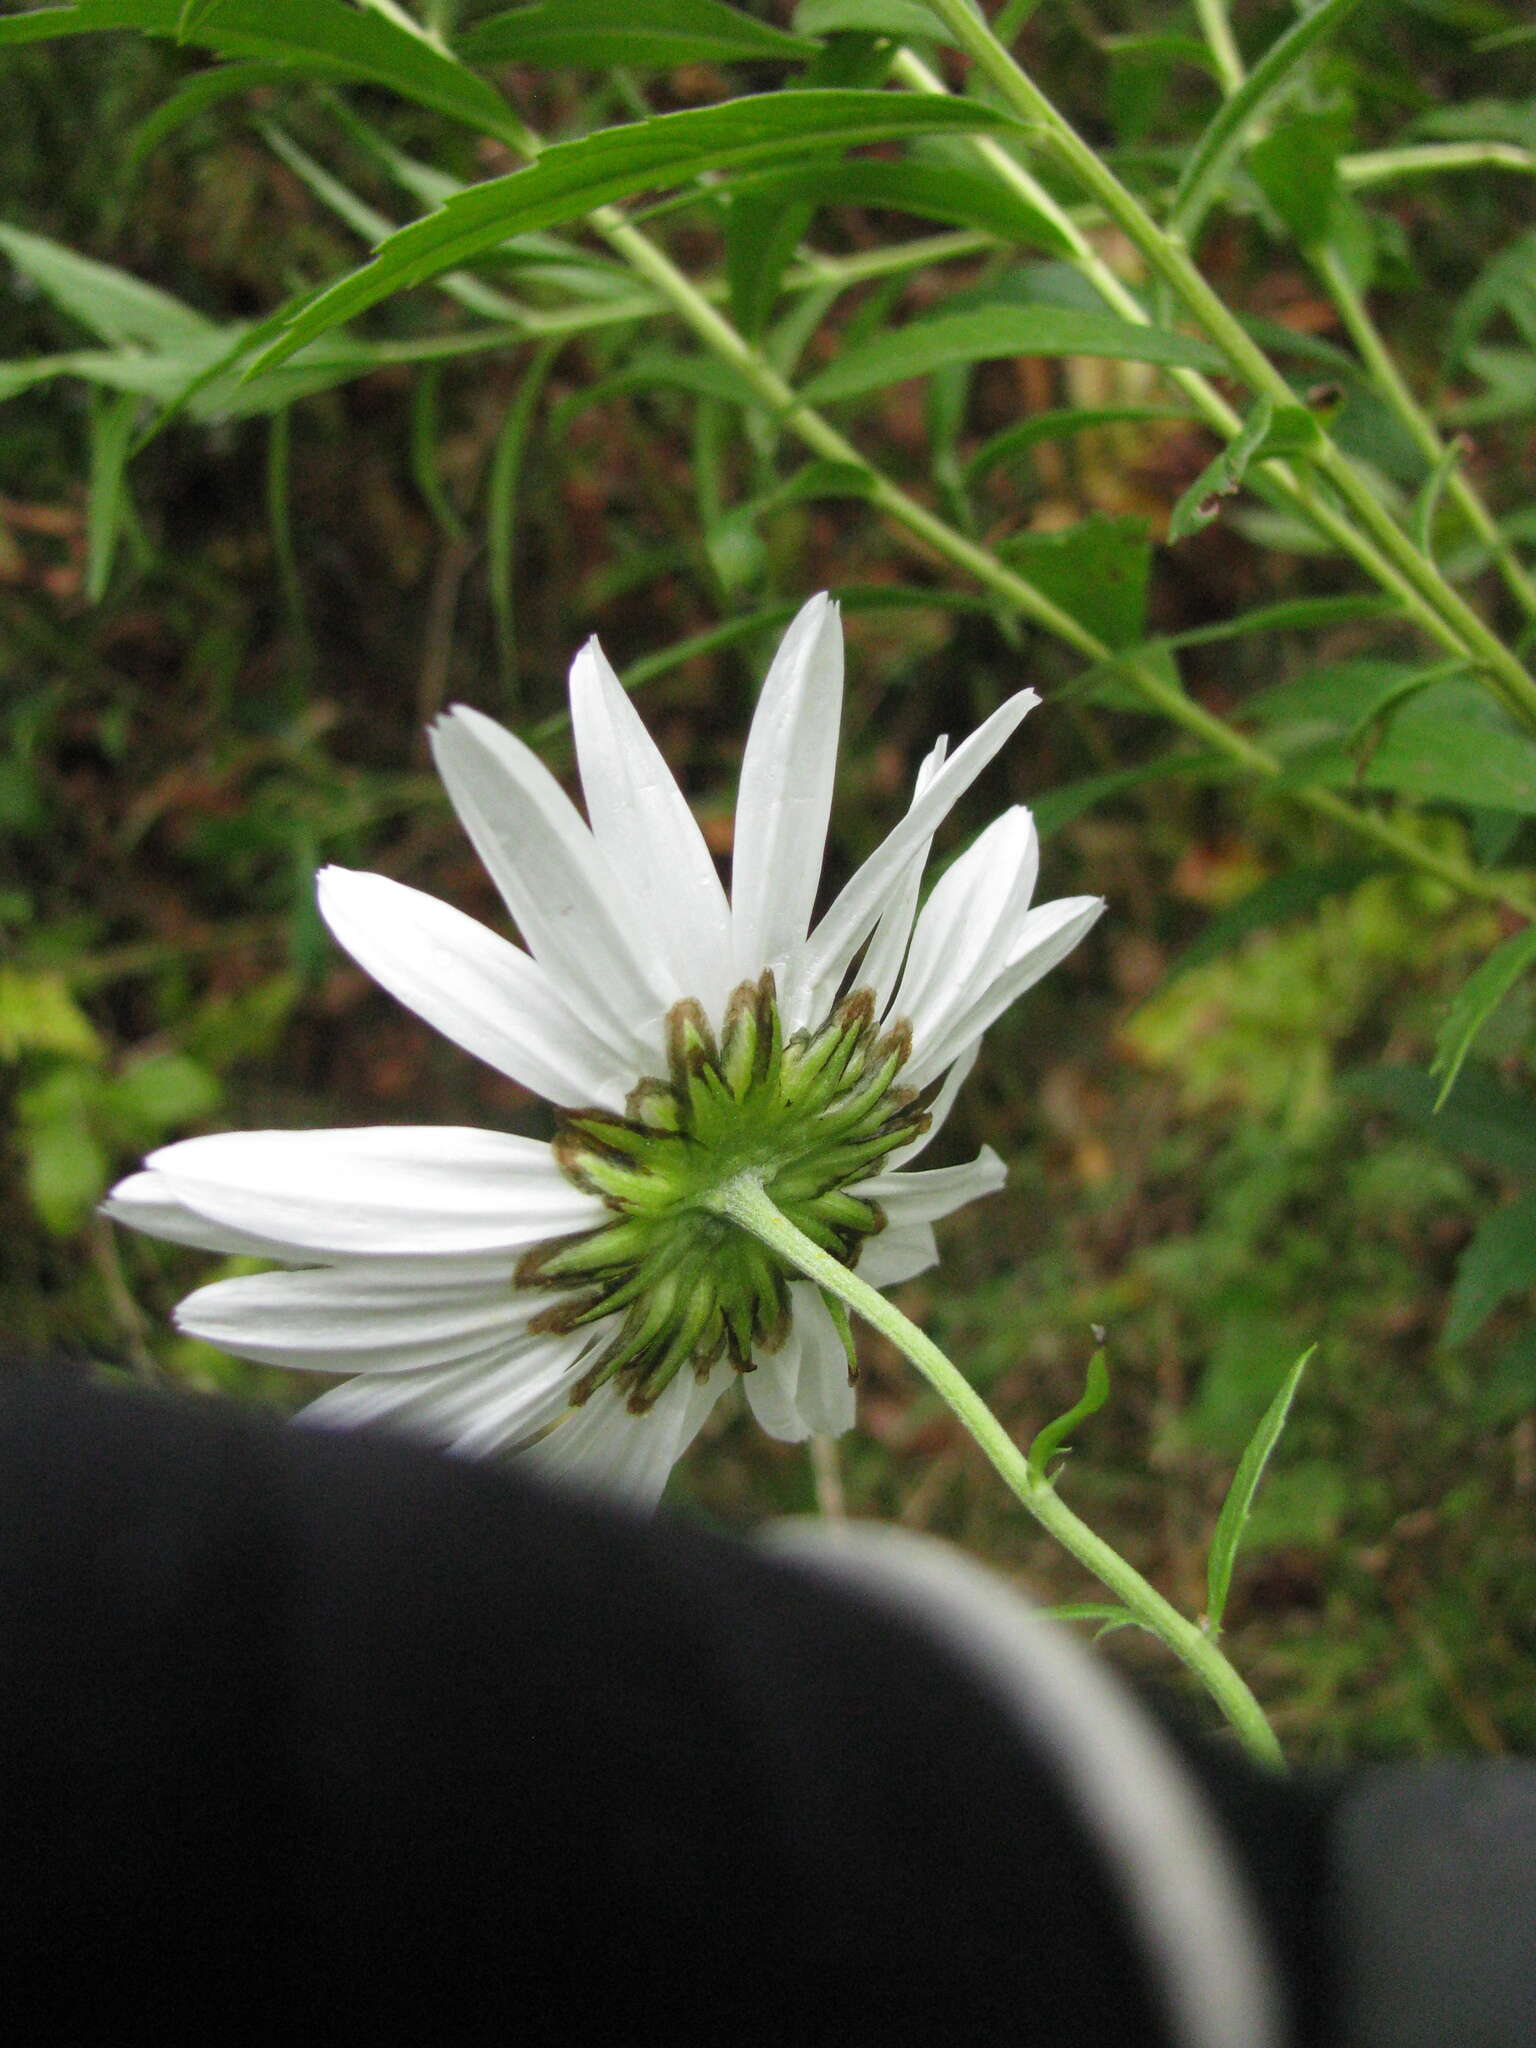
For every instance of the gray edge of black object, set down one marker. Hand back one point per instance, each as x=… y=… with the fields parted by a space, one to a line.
x=1183 y=1888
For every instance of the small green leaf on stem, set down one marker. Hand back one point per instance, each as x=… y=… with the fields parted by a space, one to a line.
x=1238 y=1505
x=1053 y=1437
x=1221 y=478
x=1475 y=1002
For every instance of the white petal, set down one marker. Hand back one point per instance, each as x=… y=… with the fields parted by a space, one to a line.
x=785 y=796
x=897 y=1254
x=1049 y=933
x=351 y=1319
x=881 y=965
x=912 y=1198
x=823 y=1396
x=491 y=1402
x=960 y=943
x=643 y=824
x=772 y=1387
x=147 y=1202
x=398 y=1191
x=832 y=945
x=602 y=1446
x=486 y=995
x=572 y=910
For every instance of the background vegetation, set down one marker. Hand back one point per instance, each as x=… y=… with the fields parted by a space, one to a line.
x=220 y=643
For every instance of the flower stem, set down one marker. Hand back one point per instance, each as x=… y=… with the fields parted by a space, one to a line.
x=746 y=1202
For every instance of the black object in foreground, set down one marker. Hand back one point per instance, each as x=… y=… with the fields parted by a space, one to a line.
x=318 y=1737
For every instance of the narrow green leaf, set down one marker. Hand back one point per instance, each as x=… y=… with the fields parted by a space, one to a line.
x=994 y=332
x=107 y=509
x=1238 y=1505
x=1492 y=1122
x=1053 y=1437
x=762 y=232
x=1499 y=1261
x=896 y=18
x=595 y=33
x=1110 y=1616
x=194 y=96
x=1062 y=426
x=1427 y=503
x=572 y=178
x=1475 y=1002
x=1283 y=896
x=1221 y=478
x=1452 y=744
x=341 y=40
x=1098 y=571
x=115 y=305
x=503 y=485
x=1206 y=168
x=932 y=191
x=1069 y=800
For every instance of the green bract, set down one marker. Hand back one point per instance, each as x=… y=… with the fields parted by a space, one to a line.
x=806 y=1116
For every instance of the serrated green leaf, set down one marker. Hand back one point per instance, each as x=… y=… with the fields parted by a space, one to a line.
x=1499 y=1261
x=1227 y=1538
x=117 y=307
x=1490 y=1121
x=932 y=191
x=1053 y=1438
x=572 y=178
x=1222 y=477
x=593 y=33
x=340 y=41
x=1475 y=1002
x=1283 y=896
x=1097 y=570
x=989 y=334
x=1277 y=72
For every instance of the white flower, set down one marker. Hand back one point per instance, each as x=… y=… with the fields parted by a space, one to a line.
x=494 y=1293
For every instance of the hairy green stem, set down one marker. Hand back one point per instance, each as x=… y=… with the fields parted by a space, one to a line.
x=745 y=1201
x=1169 y=261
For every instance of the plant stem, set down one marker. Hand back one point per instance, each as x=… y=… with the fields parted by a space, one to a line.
x=1169 y=260
x=1390 y=383
x=746 y=1202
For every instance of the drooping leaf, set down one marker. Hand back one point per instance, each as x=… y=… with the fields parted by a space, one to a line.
x=994 y=333
x=1492 y=1122
x=1283 y=896
x=1238 y=1505
x=107 y=507
x=933 y=191
x=1097 y=570
x=1475 y=1002
x=1345 y=696
x=572 y=178
x=1499 y=1261
x=762 y=232
x=337 y=40
x=594 y=33
x=117 y=306
x=1452 y=744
